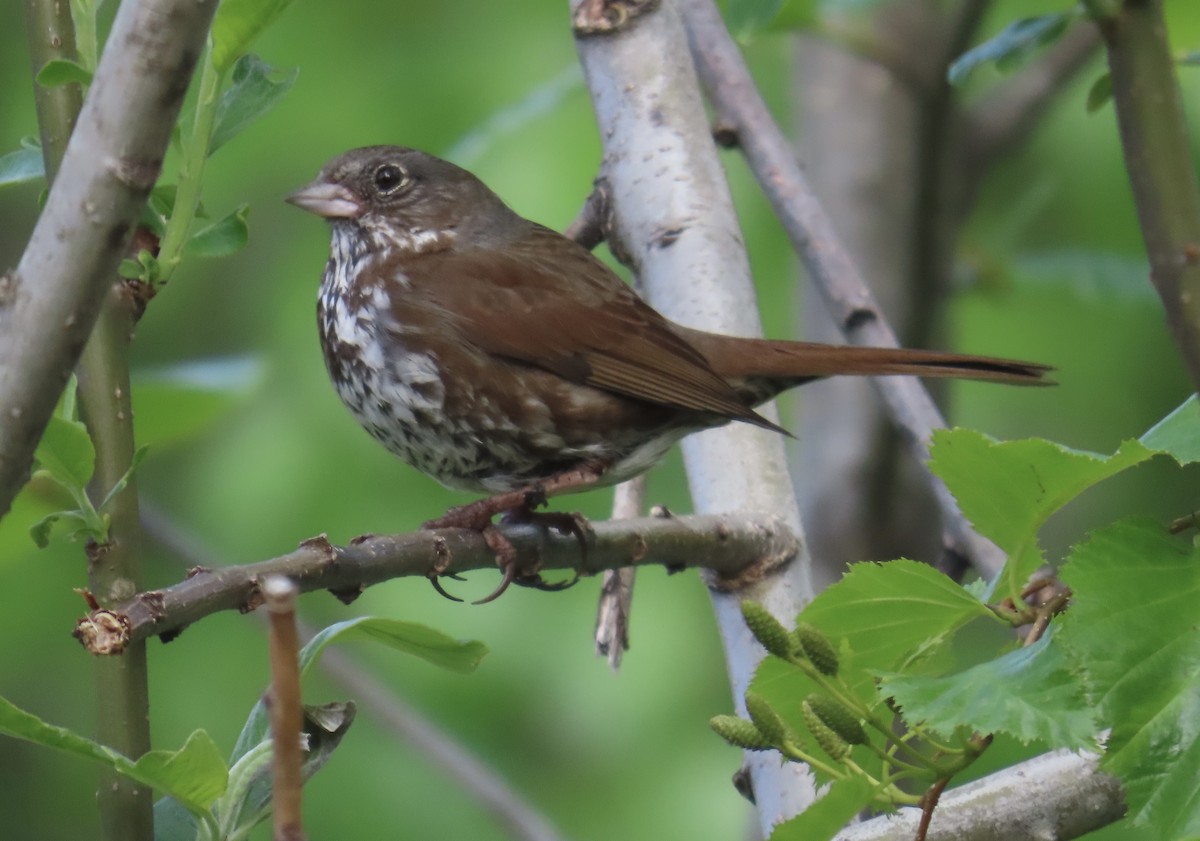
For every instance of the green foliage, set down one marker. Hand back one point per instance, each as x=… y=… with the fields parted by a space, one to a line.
x=1099 y=93
x=62 y=71
x=254 y=89
x=1122 y=659
x=1014 y=44
x=237 y=24
x=66 y=457
x=22 y=166
x=195 y=775
x=1131 y=637
x=410 y=637
x=221 y=238
x=829 y=815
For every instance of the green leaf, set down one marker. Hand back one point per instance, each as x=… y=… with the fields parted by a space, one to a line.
x=66 y=452
x=22 y=166
x=221 y=238
x=194 y=774
x=237 y=24
x=40 y=531
x=248 y=801
x=1131 y=633
x=252 y=93
x=410 y=637
x=1178 y=434
x=1013 y=44
x=1009 y=489
x=158 y=209
x=897 y=616
x=1029 y=693
x=121 y=484
x=829 y=815
x=62 y=71
x=1099 y=93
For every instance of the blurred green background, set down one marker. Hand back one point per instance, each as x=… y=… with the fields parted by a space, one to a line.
x=1058 y=275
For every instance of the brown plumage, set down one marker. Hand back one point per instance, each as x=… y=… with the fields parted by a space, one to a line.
x=494 y=354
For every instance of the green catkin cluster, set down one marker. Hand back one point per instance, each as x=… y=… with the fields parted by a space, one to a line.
x=767 y=630
x=817 y=648
x=830 y=742
x=739 y=732
x=837 y=718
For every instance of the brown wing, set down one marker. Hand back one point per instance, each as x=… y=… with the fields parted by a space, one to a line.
x=592 y=329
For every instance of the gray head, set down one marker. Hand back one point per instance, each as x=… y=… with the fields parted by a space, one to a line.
x=409 y=200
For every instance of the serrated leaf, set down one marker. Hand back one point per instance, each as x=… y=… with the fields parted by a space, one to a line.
x=236 y=25
x=410 y=637
x=252 y=93
x=194 y=774
x=1009 y=489
x=62 y=71
x=897 y=616
x=66 y=452
x=829 y=815
x=1029 y=693
x=1178 y=434
x=22 y=166
x=1131 y=633
x=1013 y=44
x=222 y=238
x=1099 y=93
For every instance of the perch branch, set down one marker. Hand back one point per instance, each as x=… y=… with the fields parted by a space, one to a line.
x=730 y=546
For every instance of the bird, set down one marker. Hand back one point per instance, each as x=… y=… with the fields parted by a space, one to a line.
x=499 y=357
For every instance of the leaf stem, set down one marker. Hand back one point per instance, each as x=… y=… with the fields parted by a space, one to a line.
x=195 y=155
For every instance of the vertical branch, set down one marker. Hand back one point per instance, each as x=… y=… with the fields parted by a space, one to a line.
x=287 y=716
x=51 y=35
x=49 y=303
x=1154 y=136
x=674 y=218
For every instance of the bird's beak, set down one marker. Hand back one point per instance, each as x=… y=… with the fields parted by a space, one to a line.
x=332 y=201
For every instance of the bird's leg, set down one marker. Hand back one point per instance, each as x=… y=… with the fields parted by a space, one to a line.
x=518 y=507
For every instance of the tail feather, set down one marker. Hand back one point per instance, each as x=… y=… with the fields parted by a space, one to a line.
x=798 y=362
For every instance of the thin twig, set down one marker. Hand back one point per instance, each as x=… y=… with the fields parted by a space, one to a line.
x=616 y=591
x=407 y=724
x=1004 y=117
x=287 y=714
x=860 y=319
x=730 y=546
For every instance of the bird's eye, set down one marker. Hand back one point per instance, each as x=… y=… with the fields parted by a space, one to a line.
x=389 y=178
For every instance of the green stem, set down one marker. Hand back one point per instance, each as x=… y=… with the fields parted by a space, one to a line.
x=195 y=155
x=51 y=35
x=1154 y=137
x=84 y=13
x=122 y=694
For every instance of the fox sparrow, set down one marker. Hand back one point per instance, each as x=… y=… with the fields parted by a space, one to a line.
x=498 y=356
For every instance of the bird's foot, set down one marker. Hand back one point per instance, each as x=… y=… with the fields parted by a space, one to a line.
x=517 y=507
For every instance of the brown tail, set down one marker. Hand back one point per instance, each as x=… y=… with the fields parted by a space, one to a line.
x=798 y=362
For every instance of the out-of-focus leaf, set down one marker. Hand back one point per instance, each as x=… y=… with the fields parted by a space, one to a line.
x=237 y=24
x=1099 y=93
x=176 y=403
x=1178 y=434
x=40 y=531
x=410 y=637
x=1131 y=634
x=21 y=167
x=829 y=815
x=221 y=238
x=1013 y=44
x=195 y=774
x=253 y=91
x=62 y=71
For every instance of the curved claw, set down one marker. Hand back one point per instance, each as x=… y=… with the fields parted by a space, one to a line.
x=538 y=583
x=510 y=573
x=437 y=585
